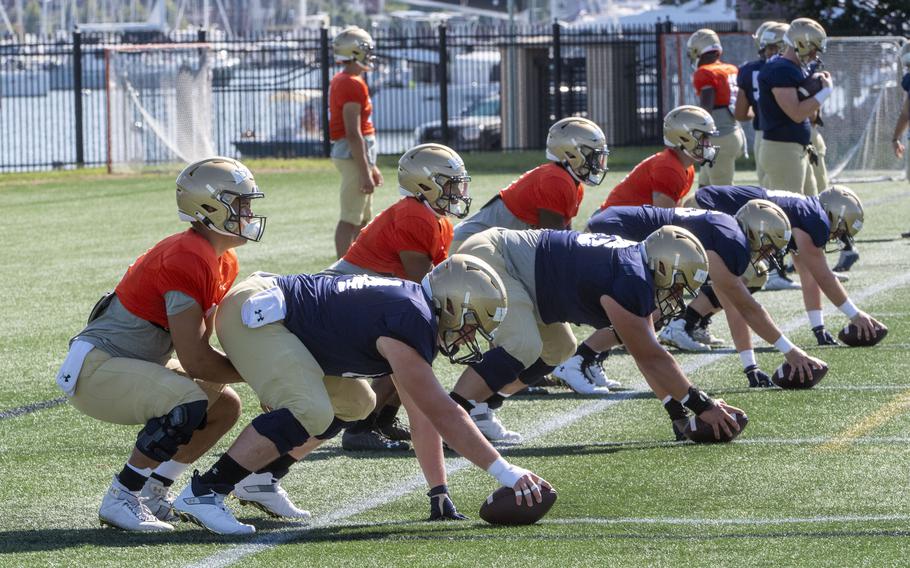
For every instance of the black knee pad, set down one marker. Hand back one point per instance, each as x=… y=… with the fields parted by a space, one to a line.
x=536 y=372
x=334 y=428
x=162 y=436
x=282 y=429
x=498 y=368
x=708 y=291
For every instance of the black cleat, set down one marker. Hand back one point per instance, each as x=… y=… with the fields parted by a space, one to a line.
x=394 y=430
x=371 y=441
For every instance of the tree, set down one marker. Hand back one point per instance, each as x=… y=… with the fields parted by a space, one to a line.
x=850 y=17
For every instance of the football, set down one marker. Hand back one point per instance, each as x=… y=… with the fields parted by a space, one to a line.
x=700 y=432
x=808 y=87
x=499 y=508
x=782 y=374
x=849 y=335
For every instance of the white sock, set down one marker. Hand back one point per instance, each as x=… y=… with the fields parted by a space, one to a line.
x=816 y=318
x=143 y=471
x=747 y=358
x=171 y=469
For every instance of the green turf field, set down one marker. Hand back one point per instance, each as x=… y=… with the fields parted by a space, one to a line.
x=818 y=479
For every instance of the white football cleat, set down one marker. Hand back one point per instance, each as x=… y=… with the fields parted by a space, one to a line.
x=704 y=335
x=595 y=373
x=675 y=334
x=159 y=500
x=208 y=510
x=778 y=282
x=490 y=426
x=572 y=373
x=262 y=491
x=123 y=509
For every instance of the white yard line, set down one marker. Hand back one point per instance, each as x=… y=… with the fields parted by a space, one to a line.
x=745 y=521
x=272 y=539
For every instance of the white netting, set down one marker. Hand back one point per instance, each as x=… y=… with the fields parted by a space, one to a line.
x=159 y=101
x=859 y=116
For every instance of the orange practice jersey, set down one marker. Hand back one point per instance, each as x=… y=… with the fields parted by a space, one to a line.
x=408 y=225
x=548 y=187
x=346 y=88
x=184 y=262
x=662 y=173
x=719 y=76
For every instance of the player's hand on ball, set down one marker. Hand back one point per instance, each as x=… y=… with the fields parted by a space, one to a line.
x=865 y=325
x=721 y=420
x=801 y=364
x=527 y=488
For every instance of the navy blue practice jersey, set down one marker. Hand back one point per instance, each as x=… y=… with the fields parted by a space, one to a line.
x=340 y=318
x=804 y=212
x=717 y=231
x=573 y=270
x=747 y=81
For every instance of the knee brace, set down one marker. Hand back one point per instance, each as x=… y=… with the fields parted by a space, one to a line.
x=334 y=428
x=536 y=372
x=498 y=368
x=162 y=436
x=282 y=429
x=708 y=291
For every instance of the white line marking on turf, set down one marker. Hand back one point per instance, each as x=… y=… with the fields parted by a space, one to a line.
x=267 y=541
x=686 y=521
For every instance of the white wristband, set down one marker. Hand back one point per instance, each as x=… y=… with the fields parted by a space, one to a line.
x=823 y=94
x=783 y=345
x=506 y=473
x=849 y=309
x=748 y=358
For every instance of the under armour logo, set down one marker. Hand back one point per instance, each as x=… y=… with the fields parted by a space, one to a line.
x=66 y=378
x=259 y=315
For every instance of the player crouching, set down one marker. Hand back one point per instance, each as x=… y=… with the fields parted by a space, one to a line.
x=306 y=343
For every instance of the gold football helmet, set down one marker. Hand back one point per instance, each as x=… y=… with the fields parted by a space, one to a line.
x=770 y=34
x=905 y=54
x=353 y=43
x=807 y=37
x=437 y=174
x=469 y=297
x=689 y=128
x=767 y=228
x=700 y=43
x=217 y=192
x=845 y=211
x=580 y=145
x=679 y=264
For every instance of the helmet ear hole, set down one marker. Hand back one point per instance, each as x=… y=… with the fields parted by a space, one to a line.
x=208 y=208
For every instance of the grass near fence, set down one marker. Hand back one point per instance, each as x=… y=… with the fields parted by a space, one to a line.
x=818 y=478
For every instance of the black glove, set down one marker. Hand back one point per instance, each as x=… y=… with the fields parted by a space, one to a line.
x=823 y=337
x=757 y=377
x=441 y=506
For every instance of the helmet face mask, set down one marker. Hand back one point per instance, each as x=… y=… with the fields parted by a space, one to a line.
x=241 y=221
x=454 y=200
x=452 y=340
x=768 y=231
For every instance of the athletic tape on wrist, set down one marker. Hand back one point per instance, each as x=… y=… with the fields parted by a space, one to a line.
x=823 y=94
x=783 y=344
x=505 y=473
x=697 y=401
x=849 y=309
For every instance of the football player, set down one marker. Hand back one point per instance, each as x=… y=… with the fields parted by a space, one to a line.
x=352 y=133
x=716 y=88
x=786 y=128
x=548 y=196
x=904 y=118
x=759 y=231
x=406 y=241
x=769 y=40
x=664 y=179
x=305 y=343
x=119 y=367
x=555 y=277
x=835 y=213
